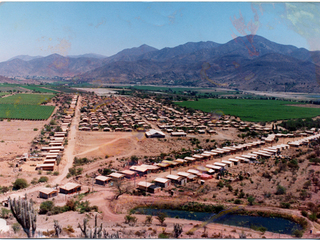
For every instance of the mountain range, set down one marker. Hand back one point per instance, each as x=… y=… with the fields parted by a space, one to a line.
x=249 y=63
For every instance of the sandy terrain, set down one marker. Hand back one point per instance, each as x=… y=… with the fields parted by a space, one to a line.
x=16 y=137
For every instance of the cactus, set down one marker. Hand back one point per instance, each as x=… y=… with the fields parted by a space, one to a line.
x=87 y=232
x=96 y=232
x=112 y=235
x=177 y=230
x=57 y=228
x=24 y=213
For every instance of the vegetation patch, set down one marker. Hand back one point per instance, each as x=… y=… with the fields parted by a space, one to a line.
x=253 y=110
x=25 y=112
x=26 y=99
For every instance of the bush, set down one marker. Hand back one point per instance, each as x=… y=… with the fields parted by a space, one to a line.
x=55 y=173
x=5 y=212
x=281 y=190
x=220 y=184
x=4 y=189
x=71 y=205
x=251 y=200
x=16 y=227
x=20 y=183
x=130 y=219
x=45 y=207
x=34 y=181
x=163 y=235
x=285 y=205
x=313 y=217
x=43 y=179
x=161 y=217
x=304 y=213
x=298 y=233
x=237 y=201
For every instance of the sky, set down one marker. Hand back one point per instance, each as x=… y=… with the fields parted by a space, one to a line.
x=74 y=28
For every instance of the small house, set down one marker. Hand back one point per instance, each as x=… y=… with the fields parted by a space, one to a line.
x=152 y=133
x=116 y=176
x=48 y=193
x=149 y=187
x=128 y=173
x=162 y=182
x=70 y=188
x=102 y=180
x=177 y=179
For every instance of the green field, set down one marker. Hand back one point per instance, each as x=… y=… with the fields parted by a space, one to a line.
x=26 y=99
x=39 y=88
x=23 y=87
x=253 y=110
x=3 y=94
x=34 y=112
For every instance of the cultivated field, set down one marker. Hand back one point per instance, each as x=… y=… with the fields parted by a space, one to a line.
x=26 y=99
x=32 y=112
x=252 y=110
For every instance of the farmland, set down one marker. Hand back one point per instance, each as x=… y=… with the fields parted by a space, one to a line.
x=252 y=110
x=33 y=112
x=26 y=99
x=38 y=89
x=24 y=88
x=25 y=106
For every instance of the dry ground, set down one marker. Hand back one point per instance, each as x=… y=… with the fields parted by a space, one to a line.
x=16 y=137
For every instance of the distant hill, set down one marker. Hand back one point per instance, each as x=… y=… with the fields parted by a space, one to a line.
x=250 y=62
x=24 y=57
x=87 y=55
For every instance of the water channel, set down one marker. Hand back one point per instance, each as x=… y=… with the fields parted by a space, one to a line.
x=272 y=224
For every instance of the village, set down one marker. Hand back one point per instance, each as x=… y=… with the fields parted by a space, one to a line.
x=122 y=152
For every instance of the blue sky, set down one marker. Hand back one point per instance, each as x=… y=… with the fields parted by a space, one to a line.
x=72 y=28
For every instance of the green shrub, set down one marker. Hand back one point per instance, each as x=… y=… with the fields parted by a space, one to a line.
x=20 y=183
x=163 y=235
x=5 y=212
x=281 y=190
x=45 y=207
x=313 y=217
x=55 y=173
x=16 y=227
x=43 y=179
x=285 y=205
x=304 y=213
x=237 y=201
x=298 y=233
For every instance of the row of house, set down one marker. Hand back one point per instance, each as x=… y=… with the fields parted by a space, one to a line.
x=54 y=151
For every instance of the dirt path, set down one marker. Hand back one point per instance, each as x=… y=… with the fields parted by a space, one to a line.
x=96 y=148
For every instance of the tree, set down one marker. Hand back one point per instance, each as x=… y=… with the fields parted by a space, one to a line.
x=20 y=183
x=24 y=213
x=161 y=217
x=251 y=200
x=121 y=188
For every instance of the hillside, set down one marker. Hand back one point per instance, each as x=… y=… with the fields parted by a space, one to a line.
x=249 y=63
